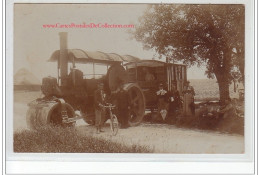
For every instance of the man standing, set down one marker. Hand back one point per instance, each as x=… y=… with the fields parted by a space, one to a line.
x=174 y=99
x=123 y=105
x=99 y=100
x=162 y=101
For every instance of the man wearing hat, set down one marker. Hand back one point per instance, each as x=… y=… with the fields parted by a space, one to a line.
x=162 y=101
x=174 y=99
x=99 y=101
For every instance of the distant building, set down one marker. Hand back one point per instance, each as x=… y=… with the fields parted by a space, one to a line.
x=25 y=80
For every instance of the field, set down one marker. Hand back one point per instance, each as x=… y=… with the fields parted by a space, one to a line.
x=21 y=99
x=204 y=89
x=207 y=89
x=160 y=138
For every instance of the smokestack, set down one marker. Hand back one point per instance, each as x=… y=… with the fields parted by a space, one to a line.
x=64 y=57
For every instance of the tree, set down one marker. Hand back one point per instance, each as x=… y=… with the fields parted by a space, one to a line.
x=210 y=35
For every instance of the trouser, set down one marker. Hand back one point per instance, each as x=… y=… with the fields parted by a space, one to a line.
x=99 y=115
x=188 y=105
x=123 y=116
x=162 y=108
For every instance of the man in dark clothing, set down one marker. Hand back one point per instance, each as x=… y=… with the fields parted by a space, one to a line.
x=174 y=99
x=99 y=99
x=123 y=106
x=162 y=102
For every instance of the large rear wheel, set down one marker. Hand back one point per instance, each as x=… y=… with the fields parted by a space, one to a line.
x=117 y=77
x=137 y=103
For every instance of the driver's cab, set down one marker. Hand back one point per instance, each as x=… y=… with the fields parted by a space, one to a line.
x=148 y=74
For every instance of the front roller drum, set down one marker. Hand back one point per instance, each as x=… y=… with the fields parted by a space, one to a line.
x=42 y=113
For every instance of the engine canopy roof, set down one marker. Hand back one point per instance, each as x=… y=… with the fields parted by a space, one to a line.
x=82 y=56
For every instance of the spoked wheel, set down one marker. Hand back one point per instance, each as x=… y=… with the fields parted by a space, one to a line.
x=137 y=103
x=114 y=125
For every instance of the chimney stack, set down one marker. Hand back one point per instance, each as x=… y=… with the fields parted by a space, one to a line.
x=64 y=57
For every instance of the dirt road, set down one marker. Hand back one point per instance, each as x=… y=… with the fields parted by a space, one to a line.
x=161 y=138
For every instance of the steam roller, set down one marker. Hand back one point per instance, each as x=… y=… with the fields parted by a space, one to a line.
x=71 y=91
x=49 y=110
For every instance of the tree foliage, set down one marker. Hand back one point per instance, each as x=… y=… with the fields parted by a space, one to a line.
x=210 y=35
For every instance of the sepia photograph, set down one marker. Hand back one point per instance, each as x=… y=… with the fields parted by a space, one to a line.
x=129 y=78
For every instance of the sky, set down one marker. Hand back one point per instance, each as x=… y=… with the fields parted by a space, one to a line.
x=34 y=44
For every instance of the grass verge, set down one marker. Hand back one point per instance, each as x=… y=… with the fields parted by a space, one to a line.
x=67 y=140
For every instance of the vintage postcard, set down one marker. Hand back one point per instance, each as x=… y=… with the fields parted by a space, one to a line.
x=146 y=79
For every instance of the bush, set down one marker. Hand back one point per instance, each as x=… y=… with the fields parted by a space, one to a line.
x=67 y=140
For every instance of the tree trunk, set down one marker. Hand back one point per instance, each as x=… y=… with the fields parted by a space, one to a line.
x=223 y=85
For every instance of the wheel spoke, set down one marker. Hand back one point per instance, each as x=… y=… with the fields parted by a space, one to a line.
x=133 y=114
x=132 y=92
x=135 y=100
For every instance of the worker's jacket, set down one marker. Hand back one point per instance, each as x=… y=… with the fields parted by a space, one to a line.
x=175 y=99
x=99 y=99
x=162 y=95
